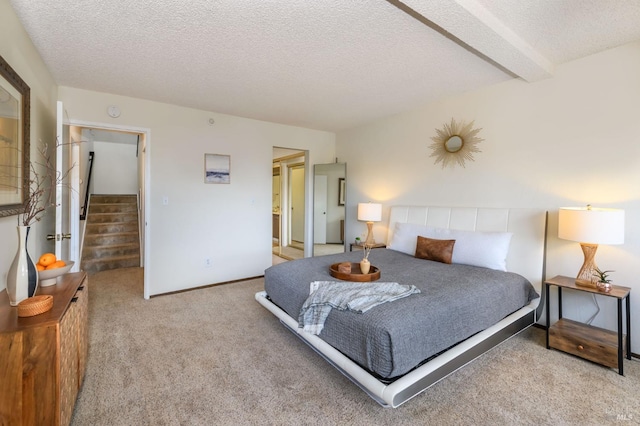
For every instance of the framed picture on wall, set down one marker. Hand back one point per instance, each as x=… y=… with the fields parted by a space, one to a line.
x=14 y=140
x=217 y=168
x=341 y=191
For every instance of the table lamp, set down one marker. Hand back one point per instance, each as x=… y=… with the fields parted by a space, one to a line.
x=369 y=212
x=590 y=227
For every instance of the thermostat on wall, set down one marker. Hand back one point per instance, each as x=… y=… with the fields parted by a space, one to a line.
x=113 y=111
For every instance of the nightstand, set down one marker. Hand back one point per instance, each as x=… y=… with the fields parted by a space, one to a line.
x=586 y=341
x=361 y=246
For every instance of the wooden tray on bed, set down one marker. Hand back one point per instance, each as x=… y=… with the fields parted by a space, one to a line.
x=355 y=275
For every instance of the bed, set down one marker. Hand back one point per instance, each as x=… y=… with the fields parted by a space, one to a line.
x=398 y=349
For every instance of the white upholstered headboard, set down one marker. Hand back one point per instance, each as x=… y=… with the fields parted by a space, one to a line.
x=527 y=249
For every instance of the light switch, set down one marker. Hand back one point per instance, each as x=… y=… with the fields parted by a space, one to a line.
x=165 y=200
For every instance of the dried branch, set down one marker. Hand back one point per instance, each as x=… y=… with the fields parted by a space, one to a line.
x=367 y=251
x=43 y=179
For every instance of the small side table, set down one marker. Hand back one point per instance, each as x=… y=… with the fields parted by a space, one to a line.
x=361 y=246
x=596 y=344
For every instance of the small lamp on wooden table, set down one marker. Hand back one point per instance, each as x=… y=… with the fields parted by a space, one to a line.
x=590 y=227
x=369 y=212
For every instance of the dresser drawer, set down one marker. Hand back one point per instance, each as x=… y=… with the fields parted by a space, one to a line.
x=586 y=341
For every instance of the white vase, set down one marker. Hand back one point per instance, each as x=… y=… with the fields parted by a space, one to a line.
x=365 y=265
x=22 y=278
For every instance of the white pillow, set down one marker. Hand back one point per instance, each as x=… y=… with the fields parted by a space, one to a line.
x=485 y=249
x=405 y=237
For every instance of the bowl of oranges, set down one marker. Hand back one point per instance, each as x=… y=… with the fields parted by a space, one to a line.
x=50 y=268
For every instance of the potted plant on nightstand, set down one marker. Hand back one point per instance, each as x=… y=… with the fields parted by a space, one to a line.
x=603 y=283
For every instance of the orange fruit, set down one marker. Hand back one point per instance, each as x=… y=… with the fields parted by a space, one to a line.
x=39 y=267
x=57 y=264
x=47 y=259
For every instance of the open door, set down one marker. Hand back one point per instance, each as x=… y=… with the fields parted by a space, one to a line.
x=320 y=209
x=329 y=195
x=67 y=209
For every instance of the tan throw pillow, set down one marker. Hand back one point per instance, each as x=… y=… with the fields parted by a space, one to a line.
x=437 y=250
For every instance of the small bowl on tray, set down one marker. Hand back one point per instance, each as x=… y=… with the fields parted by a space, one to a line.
x=50 y=276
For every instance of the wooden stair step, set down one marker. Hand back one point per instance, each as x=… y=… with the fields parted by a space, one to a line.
x=125 y=234
x=112 y=217
x=106 y=227
x=124 y=198
x=115 y=258
x=113 y=208
x=115 y=262
x=106 y=251
x=112 y=237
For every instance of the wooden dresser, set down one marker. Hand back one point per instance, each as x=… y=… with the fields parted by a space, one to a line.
x=43 y=358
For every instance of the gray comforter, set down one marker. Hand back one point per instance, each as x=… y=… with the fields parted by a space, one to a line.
x=456 y=302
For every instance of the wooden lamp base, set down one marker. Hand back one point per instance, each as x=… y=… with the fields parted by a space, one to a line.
x=586 y=277
x=369 y=241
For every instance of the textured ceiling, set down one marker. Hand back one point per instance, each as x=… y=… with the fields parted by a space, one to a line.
x=329 y=65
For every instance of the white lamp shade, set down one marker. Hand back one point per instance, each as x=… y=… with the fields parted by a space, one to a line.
x=591 y=225
x=369 y=212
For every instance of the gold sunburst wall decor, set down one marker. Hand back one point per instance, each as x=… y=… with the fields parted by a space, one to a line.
x=455 y=143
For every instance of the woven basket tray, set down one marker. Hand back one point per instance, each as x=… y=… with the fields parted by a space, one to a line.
x=35 y=305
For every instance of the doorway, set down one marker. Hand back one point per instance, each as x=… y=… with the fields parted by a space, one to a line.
x=288 y=203
x=296 y=203
x=110 y=144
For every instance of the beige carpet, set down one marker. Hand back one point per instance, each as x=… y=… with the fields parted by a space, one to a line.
x=215 y=357
x=296 y=250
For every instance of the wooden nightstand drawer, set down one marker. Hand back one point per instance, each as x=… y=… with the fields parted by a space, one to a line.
x=586 y=341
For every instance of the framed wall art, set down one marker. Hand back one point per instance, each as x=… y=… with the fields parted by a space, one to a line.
x=14 y=140
x=217 y=168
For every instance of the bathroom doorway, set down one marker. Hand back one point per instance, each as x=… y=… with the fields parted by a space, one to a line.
x=288 y=203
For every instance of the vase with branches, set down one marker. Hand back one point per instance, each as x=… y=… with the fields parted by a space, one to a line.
x=365 y=265
x=43 y=178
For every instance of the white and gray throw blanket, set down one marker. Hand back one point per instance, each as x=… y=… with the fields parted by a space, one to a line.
x=357 y=297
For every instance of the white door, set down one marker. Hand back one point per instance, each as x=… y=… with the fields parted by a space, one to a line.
x=67 y=209
x=320 y=209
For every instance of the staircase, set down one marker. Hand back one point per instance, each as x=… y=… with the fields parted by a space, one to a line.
x=111 y=239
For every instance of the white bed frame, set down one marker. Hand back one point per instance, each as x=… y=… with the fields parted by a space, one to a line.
x=526 y=257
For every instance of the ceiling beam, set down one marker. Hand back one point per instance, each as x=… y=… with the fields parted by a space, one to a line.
x=473 y=27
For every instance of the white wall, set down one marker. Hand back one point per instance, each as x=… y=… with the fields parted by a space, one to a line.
x=231 y=224
x=115 y=169
x=566 y=141
x=16 y=48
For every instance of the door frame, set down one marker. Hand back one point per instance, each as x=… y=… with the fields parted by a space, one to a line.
x=308 y=195
x=146 y=196
x=291 y=169
x=66 y=206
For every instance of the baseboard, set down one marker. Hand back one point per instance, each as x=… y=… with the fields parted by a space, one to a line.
x=207 y=286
